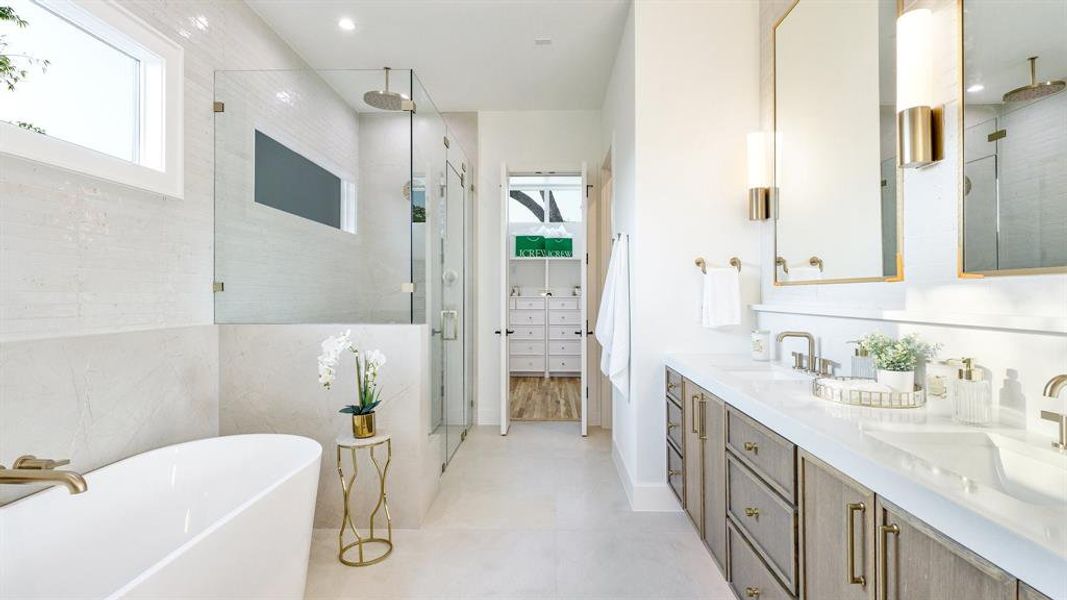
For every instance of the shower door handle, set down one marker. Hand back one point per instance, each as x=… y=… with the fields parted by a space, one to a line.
x=449 y=325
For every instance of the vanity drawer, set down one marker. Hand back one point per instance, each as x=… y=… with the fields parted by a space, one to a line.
x=528 y=363
x=569 y=364
x=527 y=303
x=563 y=332
x=674 y=385
x=526 y=348
x=748 y=575
x=770 y=455
x=564 y=317
x=674 y=425
x=676 y=473
x=528 y=333
x=527 y=317
x=563 y=303
x=558 y=348
x=768 y=521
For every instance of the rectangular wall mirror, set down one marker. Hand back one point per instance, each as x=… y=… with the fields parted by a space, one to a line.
x=1014 y=191
x=837 y=199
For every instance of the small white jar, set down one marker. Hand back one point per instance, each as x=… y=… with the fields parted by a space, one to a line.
x=761 y=345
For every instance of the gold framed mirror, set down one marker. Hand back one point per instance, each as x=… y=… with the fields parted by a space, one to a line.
x=1013 y=138
x=837 y=194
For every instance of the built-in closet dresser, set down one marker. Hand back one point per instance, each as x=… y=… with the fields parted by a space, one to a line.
x=547 y=335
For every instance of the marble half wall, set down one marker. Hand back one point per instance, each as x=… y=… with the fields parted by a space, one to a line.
x=97 y=399
x=269 y=384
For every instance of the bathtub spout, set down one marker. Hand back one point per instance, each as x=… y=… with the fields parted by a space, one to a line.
x=30 y=469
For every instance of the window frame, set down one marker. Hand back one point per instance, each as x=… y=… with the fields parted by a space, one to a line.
x=159 y=166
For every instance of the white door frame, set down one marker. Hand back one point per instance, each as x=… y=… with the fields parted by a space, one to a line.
x=505 y=366
x=583 y=303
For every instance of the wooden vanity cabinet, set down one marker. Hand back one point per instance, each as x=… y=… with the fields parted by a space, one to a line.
x=916 y=561
x=836 y=534
x=1028 y=593
x=693 y=452
x=715 y=477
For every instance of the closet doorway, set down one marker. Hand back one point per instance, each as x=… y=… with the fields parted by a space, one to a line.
x=544 y=317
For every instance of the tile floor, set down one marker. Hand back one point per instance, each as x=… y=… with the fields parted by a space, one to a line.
x=537 y=514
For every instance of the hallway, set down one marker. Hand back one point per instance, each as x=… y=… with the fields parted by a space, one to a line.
x=537 y=514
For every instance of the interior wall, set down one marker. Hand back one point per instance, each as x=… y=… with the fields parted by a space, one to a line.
x=526 y=141
x=1019 y=363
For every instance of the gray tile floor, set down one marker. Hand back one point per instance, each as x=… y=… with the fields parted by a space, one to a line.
x=537 y=514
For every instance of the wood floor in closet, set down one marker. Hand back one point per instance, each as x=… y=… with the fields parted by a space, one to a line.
x=540 y=399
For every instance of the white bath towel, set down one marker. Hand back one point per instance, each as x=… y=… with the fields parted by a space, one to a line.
x=613 y=320
x=721 y=306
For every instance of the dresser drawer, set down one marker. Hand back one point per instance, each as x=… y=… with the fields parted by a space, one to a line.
x=528 y=363
x=527 y=303
x=564 y=317
x=770 y=455
x=528 y=332
x=767 y=520
x=676 y=473
x=567 y=364
x=674 y=425
x=561 y=348
x=563 y=303
x=563 y=332
x=526 y=348
x=674 y=385
x=527 y=317
x=748 y=575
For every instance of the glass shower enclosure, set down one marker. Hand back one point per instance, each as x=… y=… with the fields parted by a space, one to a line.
x=329 y=209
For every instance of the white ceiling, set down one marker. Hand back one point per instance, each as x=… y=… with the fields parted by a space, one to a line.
x=469 y=54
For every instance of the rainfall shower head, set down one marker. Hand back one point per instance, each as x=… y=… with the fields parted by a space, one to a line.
x=385 y=99
x=1036 y=89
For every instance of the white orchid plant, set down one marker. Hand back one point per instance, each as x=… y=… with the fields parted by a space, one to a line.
x=368 y=364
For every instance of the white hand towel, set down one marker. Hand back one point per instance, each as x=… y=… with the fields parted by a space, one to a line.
x=721 y=306
x=613 y=321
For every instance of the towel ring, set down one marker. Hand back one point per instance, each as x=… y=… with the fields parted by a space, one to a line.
x=780 y=262
x=703 y=265
x=815 y=261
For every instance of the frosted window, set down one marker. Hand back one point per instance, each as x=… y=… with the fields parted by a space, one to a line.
x=89 y=93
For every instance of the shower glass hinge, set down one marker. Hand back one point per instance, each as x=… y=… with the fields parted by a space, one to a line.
x=220 y=106
x=408 y=105
x=996 y=135
x=408 y=287
x=217 y=286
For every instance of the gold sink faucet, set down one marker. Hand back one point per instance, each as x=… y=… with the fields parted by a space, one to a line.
x=1052 y=390
x=30 y=469
x=811 y=349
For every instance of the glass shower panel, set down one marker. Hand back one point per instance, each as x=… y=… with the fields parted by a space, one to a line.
x=453 y=301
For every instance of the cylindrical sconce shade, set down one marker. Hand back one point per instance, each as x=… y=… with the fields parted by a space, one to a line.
x=759 y=168
x=914 y=59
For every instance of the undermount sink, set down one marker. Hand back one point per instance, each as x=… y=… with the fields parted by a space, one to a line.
x=1029 y=474
x=765 y=374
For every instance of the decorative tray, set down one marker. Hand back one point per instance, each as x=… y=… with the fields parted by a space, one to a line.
x=838 y=393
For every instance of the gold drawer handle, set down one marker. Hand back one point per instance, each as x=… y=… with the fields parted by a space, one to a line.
x=752 y=592
x=752 y=512
x=752 y=447
x=671 y=426
x=671 y=386
x=884 y=532
x=850 y=528
x=672 y=473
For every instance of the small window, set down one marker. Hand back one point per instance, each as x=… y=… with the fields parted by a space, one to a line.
x=93 y=90
x=545 y=199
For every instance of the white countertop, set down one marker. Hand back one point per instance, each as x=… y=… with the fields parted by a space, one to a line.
x=1026 y=537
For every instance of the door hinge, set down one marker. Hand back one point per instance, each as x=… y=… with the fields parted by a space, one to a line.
x=996 y=135
x=587 y=258
x=217 y=286
x=220 y=106
x=587 y=187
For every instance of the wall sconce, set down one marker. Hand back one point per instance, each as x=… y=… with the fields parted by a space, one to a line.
x=918 y=121
x=759 y=177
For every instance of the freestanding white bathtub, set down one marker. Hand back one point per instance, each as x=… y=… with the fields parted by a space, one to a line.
x=226 y=517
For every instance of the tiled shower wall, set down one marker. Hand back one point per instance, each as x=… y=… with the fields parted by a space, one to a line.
x=107 y=342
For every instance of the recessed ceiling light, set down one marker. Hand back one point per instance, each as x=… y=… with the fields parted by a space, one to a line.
x=974 y=89
x=542 y=41
x=346 y=24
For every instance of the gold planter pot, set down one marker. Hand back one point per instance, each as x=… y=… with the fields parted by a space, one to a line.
x=363 y=426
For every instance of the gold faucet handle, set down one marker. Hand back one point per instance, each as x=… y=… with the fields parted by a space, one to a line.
x=30 y=461
x=1061 y=422
x=1049 y=415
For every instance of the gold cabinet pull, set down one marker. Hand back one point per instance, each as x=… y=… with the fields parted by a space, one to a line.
x=703 y=418
x=752 y=592
x=671 y=426
x=884 y=532
x=672 y=473
x=671 y=386
x=692 y=414
x=850 y=527
x=752 y=447
x=752 y=512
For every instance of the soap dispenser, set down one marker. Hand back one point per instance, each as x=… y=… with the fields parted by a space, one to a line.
x=972 y=401
x=862 y=362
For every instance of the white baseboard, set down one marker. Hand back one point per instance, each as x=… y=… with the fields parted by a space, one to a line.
x=651 y=497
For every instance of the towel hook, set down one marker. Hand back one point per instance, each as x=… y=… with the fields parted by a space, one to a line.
x=780 y=262
x=735 y=263
x=701 y=264
x=815 y=261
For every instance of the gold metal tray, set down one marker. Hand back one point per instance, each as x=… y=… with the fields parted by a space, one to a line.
x=914 y=399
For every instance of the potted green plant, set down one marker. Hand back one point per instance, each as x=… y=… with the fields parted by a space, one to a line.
x=368 y=394
x=897 y=360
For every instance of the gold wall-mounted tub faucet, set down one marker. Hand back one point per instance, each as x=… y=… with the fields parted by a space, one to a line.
x=29 y=469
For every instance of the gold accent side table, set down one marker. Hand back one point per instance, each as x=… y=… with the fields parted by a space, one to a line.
x=364 y=545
